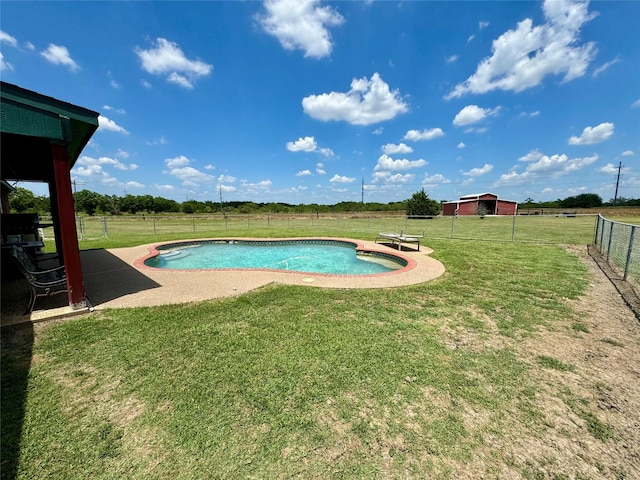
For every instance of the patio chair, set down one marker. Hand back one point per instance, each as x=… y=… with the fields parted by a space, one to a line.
x=42 y=283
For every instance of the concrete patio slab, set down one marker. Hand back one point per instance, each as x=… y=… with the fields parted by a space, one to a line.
x=116 y=278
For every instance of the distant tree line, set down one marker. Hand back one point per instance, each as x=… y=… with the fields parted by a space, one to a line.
x=92 y=203
x=22 y=200
x=584 y=200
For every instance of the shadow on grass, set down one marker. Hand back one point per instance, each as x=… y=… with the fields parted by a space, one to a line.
x=17 y=347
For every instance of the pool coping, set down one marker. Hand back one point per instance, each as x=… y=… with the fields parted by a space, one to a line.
x=180 y=286
x=112 y=279
x=360 y=247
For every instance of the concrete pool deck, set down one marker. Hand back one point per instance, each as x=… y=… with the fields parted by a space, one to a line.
x=115 y=278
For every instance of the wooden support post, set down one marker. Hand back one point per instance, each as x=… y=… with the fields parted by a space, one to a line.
x=67 y=227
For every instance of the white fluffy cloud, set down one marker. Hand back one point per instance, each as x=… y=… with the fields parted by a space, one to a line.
x=386 y=163
x=544 y=166
x=342 y=179
x=96 y=170
x=473 y=114
x=106 y=124
x=367 y=102
x=4 y=65
x=391 y=148
x=434 y=180
x=308 y=144
x=427 y=134
x=591 y=135
x=523 y=57
x=179 y=167
x=6 y=38
x=59 y=55
x=609 y=169
x=226 y=179
x=301 y=24
x=392 y=178
x=303 y=173
x=166 y=58
x=476 y=172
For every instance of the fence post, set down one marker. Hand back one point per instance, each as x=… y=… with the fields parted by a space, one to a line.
x=595 y=236
x=602 y=236
x=452 y=222
x=513 y=229
x=104 y=227
x=81 y=227
x=610 y=239
x=154 y=226
x=628 y=262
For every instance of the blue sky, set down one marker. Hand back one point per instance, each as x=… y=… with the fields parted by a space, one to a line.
x=304 y=101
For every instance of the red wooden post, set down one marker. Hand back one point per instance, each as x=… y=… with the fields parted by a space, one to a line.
x=68 y=232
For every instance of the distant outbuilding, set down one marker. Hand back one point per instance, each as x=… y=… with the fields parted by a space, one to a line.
x=480 y=204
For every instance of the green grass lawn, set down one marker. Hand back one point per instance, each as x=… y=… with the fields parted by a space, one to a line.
x=112 y=232
x=289 y=381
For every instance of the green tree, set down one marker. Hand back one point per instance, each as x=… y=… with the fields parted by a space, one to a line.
x=421 y=205
x=87 y=201
x=22 y=200
x=584 y=200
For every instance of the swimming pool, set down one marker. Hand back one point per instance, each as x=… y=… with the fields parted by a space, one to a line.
x=333 y=257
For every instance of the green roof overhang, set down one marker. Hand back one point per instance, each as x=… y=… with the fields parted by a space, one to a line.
x=30 y=122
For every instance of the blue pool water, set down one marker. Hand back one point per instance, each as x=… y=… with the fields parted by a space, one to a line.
x=322 y=256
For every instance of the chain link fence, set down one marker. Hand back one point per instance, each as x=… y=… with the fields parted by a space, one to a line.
x=620 y=246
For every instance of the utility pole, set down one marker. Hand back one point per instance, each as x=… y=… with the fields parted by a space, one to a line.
x=221 y=204
x=362 y=191
x=615 y=196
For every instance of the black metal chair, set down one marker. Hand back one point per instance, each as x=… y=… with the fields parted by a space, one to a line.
x=42 y=282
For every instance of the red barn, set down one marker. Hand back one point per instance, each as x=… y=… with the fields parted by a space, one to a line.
x=486 y=203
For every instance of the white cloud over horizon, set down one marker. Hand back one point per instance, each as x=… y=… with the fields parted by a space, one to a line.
x=59 y=55
x=386 y=163
x=180 y=168
x=301 y=24
x=167 y=58
x=542 y=166
x=592 y=135
x=392 y=148
x=427 y=134
x=473 y=114
x=521 y=58
x=308 y=144
x=104 y=123
x=342 y=179
x=476 y=172
x=368 y=101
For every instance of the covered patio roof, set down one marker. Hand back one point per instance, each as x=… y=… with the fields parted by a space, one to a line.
x=42 y=138
x=30 y=123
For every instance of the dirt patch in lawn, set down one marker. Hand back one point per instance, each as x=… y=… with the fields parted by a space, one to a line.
x=589 y=369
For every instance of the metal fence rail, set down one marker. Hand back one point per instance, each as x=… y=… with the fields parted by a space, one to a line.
x=553 y=229
x=619 y=244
